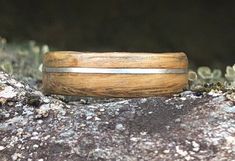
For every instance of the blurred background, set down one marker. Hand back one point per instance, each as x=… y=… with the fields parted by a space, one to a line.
x=205 y=30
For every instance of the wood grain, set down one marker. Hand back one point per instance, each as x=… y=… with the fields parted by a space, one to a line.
x=115 y=60
x=114 y=85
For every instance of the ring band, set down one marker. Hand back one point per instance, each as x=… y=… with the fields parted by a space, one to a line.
x=114 y=74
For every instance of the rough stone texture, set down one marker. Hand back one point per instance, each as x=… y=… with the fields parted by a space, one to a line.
x=186 y=126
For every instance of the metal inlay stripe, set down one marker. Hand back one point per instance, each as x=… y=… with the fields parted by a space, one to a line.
x=114 y=70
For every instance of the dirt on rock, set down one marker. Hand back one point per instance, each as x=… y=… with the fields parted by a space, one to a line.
x=186 y=126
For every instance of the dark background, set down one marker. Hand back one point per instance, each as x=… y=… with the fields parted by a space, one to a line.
x=205 y=30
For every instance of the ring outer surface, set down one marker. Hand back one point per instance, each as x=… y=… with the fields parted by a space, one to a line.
x=114 y=74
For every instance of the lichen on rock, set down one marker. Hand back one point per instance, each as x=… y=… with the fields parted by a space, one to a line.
x=182 y=126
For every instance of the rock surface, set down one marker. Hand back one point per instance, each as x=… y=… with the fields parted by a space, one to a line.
x=186 y=126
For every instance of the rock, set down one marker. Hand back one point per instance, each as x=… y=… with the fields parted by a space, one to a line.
x=196 y=146
x=166 y=151
x=183 y=98
x=120 y=127
x=8 y=92
x=188 y=157
x=43 y=111
x=15 y=156
x=177 y=120
x=143 y=133
x=40 y=121
x=35 y=133
x=97 y=119
x=229 y=109
x=181 y=152
x=89 y=117
x=102 y=110
x=2 y=148
x=156 y=151
x=180 y=127
x=35 y=146
x=230 y=140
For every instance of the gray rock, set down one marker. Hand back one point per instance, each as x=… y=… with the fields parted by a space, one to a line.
x=158 y=128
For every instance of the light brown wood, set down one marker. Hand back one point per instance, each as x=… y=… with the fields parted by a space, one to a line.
x=114 y=85
x=115 y=60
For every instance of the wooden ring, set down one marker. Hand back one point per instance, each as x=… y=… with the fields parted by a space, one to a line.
x=114 y=74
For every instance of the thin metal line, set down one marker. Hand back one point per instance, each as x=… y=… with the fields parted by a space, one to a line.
x=114 y=70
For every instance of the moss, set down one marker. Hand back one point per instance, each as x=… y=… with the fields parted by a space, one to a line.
x=230 y=76
x=33 y=100
x=209 y=75
x=206 y=79
x=22 y=59
x=7 y=66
